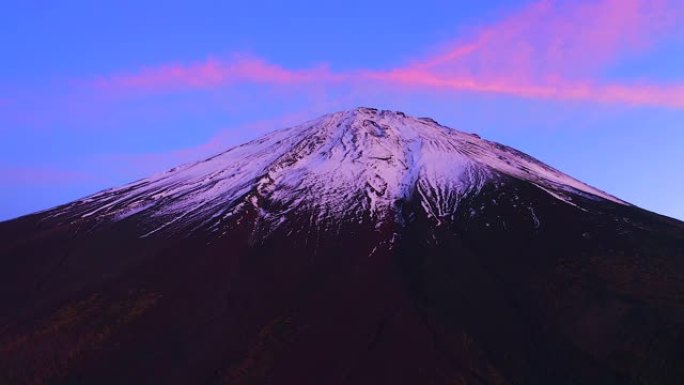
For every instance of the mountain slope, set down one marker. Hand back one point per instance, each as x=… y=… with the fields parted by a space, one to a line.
x=362 y=247
x=343 y=165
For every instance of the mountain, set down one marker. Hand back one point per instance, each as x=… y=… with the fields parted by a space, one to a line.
x=363 y=247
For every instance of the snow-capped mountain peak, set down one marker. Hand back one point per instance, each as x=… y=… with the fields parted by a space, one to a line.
x=343 y=166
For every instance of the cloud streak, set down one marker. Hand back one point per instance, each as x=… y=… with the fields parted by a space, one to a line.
x=212 y=73
x=549 y=50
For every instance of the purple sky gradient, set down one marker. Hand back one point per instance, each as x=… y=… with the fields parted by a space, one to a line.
x=93 y=96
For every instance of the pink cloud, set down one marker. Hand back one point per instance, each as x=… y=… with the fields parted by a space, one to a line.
x=548 y=50
x=212 y=73
x=553 y=38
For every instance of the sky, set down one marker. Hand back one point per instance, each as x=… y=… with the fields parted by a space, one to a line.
x=98 y=94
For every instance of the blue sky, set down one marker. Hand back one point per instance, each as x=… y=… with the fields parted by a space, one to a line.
x=96 y=95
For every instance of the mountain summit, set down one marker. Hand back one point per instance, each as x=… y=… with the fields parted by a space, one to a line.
x=363 y=247
x=351 y=165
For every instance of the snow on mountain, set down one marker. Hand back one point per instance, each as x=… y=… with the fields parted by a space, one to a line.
x=346 y=165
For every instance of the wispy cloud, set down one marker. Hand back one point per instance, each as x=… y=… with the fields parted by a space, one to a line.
x=549 y=50
x=552 y=38
x=212 y=73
